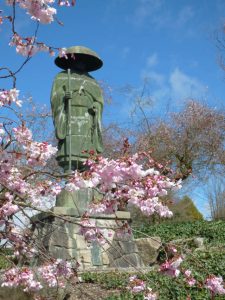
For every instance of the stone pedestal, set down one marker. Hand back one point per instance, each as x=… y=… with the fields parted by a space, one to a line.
x=58 y=233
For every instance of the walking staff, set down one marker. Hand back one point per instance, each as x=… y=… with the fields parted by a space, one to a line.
x=69 y=96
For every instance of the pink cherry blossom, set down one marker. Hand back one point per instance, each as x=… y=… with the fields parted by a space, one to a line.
x=53 y=274
x=149 y=295
x=172 y=249
x=124 y=179
x=90 y=232
x=7 y=97
x=2 y=131
x=22 y=134
x=215 y=285
x=190 y=281
x=40 y=10
x=137 y=286
x=189 y=278
x=21 y=277
x=187 y=273
x=106 y=207
x=124 y=231
x=8 y=209
x=39 y=152
x=27 y=46
x=66 y=2
x=170 y=267
x=62 y=52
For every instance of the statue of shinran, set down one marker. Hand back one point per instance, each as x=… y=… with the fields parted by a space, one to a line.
x=77 y=106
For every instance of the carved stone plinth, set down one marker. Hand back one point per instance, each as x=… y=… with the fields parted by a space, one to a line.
x=58 y=233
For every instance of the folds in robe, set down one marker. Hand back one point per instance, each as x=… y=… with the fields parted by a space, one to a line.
x=86 y=115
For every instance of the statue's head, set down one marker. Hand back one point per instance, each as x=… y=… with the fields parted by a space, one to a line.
x=80 y=59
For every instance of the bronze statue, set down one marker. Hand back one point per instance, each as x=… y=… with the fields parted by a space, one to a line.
x=77 y=105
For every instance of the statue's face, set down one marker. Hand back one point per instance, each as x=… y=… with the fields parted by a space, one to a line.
x=79 y=66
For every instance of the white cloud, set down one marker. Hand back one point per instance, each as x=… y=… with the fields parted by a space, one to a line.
x=177 y=86
x=157 y=84
x=183 y=86
x=161 y=15
x=152 y=60
x=184 y=15
x=145 y=9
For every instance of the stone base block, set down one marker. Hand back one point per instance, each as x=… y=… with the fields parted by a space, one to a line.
x=149 y=249
x=58 y=234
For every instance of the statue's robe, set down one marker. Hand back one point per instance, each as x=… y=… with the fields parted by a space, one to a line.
x=86 y=114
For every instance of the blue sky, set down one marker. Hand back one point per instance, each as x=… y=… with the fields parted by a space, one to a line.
x=170 y=42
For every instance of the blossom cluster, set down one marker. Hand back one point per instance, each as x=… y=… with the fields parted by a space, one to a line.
x=7 y=97
x=52 y=275
x=12 y=179
x=29 y=46
x=190 y=280
x=136 y=286
x=22 y=185
x=8 y=208
x=20 y=241
x=124 y=181
x=66 y=2
x=90 y=232
x=23 y=277
x=21 y=181
x=41 y=10
x=3 y=18
x=171 y=267
x=215 y=285
x=36 y=152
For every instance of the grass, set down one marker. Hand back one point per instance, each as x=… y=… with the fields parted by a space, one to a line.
x=201 y=263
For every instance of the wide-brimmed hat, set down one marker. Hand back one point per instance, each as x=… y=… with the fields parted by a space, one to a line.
x=76 y=55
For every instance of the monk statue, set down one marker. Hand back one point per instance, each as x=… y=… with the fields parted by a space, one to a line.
x=77 y=105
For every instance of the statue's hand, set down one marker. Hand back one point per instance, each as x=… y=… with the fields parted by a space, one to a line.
x=92 y=110
x=68 y=95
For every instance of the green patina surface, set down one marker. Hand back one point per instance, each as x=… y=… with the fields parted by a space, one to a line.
x=79 y=200
x=86 y=105
x=77 y=105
